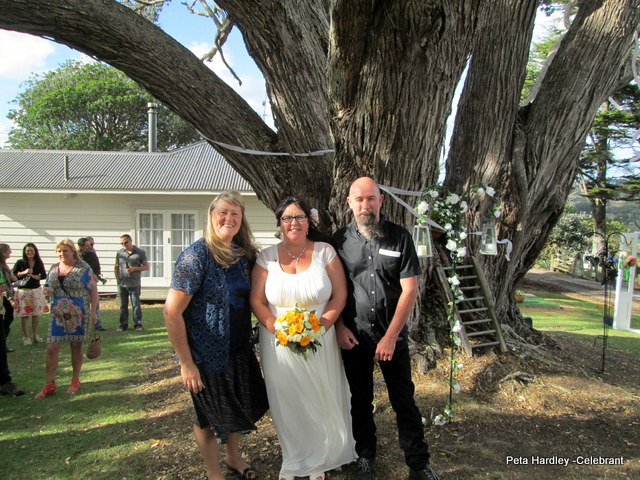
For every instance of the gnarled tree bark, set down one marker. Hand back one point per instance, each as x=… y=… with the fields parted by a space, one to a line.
x=375 y=80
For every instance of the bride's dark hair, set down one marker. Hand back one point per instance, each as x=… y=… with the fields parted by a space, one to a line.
x=314 y=234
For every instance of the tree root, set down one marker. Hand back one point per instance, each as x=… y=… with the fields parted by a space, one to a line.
x=522 y=377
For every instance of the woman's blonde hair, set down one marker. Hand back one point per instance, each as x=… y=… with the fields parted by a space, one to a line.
x=243 y=241
x=67 y=243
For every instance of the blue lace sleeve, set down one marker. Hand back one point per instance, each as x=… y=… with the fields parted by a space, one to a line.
x=188 y=272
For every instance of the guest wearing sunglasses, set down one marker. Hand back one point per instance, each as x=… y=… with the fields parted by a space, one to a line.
x=131 y=261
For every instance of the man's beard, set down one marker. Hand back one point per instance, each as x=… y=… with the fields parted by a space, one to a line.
x=368 y=226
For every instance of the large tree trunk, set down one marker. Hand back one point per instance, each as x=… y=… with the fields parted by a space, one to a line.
x=375 y=80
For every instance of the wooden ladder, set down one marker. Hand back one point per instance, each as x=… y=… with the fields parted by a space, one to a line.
x=475 y=311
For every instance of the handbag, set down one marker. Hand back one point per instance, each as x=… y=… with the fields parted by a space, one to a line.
x=22 y=282
x=94 y=348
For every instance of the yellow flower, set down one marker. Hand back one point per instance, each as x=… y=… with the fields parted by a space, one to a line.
x=282 y=338
x=298 y=330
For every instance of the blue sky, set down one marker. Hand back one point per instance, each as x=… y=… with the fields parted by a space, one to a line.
x=22 y=55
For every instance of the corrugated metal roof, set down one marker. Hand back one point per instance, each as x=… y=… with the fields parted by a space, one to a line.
x=195 y=168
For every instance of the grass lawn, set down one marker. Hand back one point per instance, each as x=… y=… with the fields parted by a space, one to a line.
x=578 y=318
x=103 y=432
x=99 y=432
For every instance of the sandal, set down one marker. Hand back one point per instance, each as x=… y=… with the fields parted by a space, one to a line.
x=247 y=474
x=48 y=389
x=74 y=386
x=316 y=476
x=284 y=476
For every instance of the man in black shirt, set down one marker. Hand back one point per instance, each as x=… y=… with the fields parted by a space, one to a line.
x=88 y=254
x=382 y=269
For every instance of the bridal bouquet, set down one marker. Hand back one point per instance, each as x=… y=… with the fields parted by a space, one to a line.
x=299 y=330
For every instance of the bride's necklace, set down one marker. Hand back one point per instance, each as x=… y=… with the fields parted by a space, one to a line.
x=295 y=257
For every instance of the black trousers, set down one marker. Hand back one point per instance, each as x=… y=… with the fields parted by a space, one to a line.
x=5 y=377
x=358 y=365
x=8 y=316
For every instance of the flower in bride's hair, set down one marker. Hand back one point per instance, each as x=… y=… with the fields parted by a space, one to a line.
x=315 y=216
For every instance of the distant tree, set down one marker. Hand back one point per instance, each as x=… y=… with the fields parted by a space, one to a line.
x=603 y=174
x=537 y=59
x=572 y=232
x=90 y=106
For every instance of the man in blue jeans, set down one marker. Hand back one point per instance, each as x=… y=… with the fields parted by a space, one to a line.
x=131 y=261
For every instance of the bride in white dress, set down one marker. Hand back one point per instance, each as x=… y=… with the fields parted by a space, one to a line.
x=309 y=398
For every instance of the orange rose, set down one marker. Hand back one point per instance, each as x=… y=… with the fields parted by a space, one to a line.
x=304 y=341
x=282 y=338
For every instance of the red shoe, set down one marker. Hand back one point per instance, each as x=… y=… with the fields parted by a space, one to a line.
x=48 y=389
x=74 y=386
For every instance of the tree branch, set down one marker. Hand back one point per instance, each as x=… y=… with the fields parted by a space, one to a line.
x=173 y=75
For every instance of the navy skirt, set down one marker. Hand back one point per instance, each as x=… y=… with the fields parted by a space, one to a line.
x=232 y=401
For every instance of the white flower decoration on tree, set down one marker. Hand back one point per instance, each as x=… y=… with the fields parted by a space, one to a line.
x=452 y=199
x=315 y=216
x=440 y=420
x=451 y=210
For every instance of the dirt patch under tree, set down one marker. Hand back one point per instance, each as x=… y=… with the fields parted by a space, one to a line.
x=515 y=410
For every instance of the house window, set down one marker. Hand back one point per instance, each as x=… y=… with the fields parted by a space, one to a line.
x=183 y=227
x=163 y=235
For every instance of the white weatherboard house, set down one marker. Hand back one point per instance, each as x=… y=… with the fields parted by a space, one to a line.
x=159 y=198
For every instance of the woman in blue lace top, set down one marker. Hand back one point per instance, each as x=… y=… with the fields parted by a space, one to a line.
x=208 y=320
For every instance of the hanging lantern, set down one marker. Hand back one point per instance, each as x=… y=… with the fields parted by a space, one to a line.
x=488 y=241
x=422 y=241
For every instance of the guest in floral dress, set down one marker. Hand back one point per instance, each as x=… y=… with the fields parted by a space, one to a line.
x=73 y=287
x=30 y=301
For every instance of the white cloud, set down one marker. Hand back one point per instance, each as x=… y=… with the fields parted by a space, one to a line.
x=22 y=54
